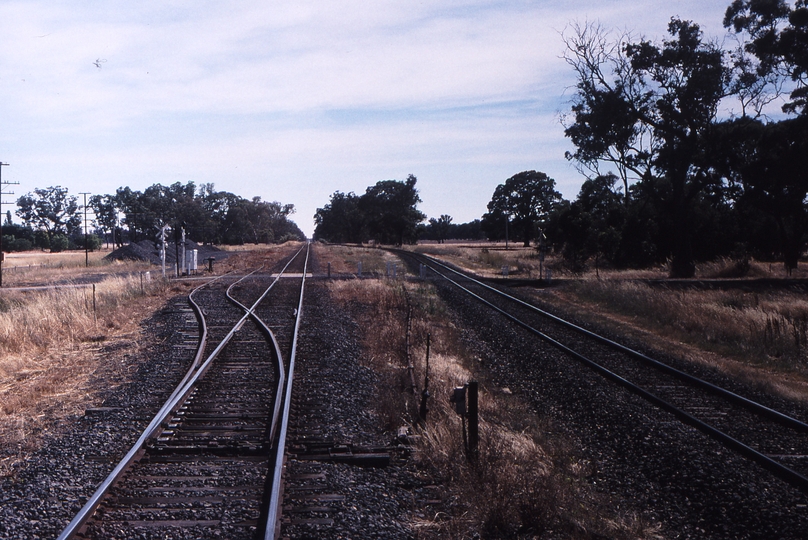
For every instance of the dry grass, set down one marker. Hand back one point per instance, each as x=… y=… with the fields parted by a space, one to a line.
x=488 y=258
x=50 y=348
x=761 y=337
x=241 y=260
x=38 y=267
x=346 y=259
x=522 y=485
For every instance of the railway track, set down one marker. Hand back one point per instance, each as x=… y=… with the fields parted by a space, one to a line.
x=209 y=463
x=773 y=439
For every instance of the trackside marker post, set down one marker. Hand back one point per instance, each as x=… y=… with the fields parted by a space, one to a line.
x=465 y=399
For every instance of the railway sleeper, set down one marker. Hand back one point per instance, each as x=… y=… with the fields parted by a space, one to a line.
x=221 y=451
x=343 y=453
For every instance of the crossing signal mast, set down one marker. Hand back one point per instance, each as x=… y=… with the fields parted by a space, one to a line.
x=3 y=191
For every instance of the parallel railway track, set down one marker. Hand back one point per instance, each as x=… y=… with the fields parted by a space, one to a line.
x=209 y=463
x=775 y=440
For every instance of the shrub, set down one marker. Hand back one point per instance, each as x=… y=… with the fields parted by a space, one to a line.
x=41 y=239
x=21 y=244
x=58 y=243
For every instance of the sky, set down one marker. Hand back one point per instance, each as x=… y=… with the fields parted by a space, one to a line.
x=292 y=101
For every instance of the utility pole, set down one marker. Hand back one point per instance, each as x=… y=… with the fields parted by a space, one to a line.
x=2 y=202
x=86 y=241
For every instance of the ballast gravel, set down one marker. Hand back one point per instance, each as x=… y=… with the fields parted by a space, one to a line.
x=648 y=463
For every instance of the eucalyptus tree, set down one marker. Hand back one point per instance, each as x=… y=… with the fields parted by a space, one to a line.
x=778 y=38
x=390 y=211
x=522 y=203
x=646 y=108
x=386 y=213
x=440 y=227
x=107 y=218
x=50 y=209
x=341 y=220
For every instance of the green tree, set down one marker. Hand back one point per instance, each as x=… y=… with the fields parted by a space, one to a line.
x=592 y=225
x=52 y=210
x=205 y=214
x=387 y=213
x=341 y=220
x=523 y=203
x=648 y=107
x=59 y=242
x=768 y=162
x=390 y=211
x=106 y=214
x=779 y=40
x=441 y=227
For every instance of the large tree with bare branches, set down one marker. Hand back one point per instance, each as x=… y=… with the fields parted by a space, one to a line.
x=645 y=108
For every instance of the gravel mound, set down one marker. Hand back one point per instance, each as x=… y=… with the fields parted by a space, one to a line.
x=146 y=250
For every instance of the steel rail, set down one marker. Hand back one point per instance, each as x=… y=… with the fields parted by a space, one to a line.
x=778 y=416
x=203 y=335
x=92 y=504
x=785 y=473
x=175 y=400
x=273 y=522
x=279 y=357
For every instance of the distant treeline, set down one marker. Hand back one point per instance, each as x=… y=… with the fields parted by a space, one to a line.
x=54 y=219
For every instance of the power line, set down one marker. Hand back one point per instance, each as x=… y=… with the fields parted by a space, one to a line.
x=86 y=246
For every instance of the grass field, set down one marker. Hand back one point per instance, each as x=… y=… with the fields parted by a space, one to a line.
x=31 y=268
x=51 y=339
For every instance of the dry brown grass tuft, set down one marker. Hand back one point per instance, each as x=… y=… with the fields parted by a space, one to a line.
x=521 y=484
